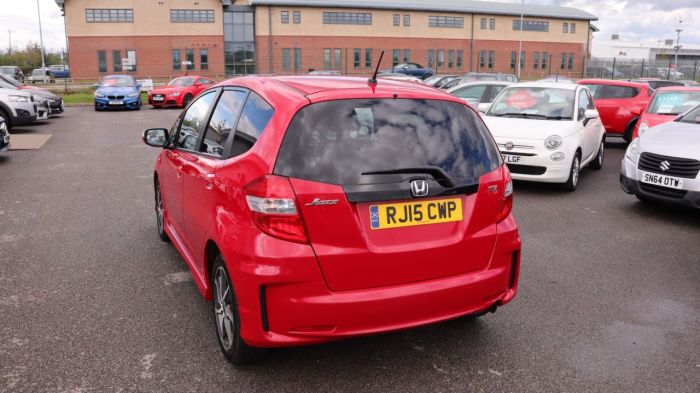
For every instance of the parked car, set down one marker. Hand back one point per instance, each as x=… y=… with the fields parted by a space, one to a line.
x=55 y=102
x=179 y=91
x=664 y=162
x=399 y=77
x=547 y=131
x=13 y=71
x=478 y=76
x=666 y=73
x=325 y=73
x=438 y=81
x=42 y=76
x=17 y=107
x=259 y=173
x=688 y=82
x=60 y=71
x=558 y=79
x=118 y=92
x=656 y=83
x=665 y=105
x=412 y=69
x=4 y=136
x=475 y=93
x=619 y=103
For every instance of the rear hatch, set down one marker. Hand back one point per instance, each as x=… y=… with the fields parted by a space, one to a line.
x=393 y=191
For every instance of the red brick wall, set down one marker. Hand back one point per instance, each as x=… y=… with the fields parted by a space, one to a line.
x=153 y=54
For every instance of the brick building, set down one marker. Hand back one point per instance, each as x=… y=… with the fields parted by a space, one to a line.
x=163 y=38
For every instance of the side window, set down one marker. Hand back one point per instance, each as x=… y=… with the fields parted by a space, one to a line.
x=591 y=103
x=584 y=103
x=471 y=93
x=595 y=89
x=222 y=122
x=495 y=91
x=609 y=91
x=192 y=122
x=204 y=81
x=256 y=113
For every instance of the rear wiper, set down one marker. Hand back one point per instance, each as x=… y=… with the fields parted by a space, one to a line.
x=436 y=172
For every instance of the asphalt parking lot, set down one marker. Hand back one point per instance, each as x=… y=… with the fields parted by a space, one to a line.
x=91 y=300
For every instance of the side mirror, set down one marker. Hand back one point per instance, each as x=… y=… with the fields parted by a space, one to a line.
x=591 y=114
x=156 y=137
x=484 y=107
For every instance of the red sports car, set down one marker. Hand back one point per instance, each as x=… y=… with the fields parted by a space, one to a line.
x=666 y=104
x=619 y=103
x=179 y=91
x=312 y=209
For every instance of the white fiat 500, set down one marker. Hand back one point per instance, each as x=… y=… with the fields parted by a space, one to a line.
x=547 y=131
x=664 y=161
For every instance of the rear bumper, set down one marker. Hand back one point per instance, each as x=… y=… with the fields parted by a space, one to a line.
x=286 y=302
x=630 y=185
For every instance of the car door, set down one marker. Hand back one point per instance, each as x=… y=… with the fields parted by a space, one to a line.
x=219 y=156
x=182 y=152
x=591 y=127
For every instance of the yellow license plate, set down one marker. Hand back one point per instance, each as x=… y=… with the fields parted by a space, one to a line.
x=396 y=215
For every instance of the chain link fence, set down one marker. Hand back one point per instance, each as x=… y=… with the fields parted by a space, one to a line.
x=616 y=68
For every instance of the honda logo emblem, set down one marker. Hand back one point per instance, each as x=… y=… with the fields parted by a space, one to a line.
x=419 y=187
x=665 y=165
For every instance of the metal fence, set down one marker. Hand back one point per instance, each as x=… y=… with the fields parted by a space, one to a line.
x=617 y=68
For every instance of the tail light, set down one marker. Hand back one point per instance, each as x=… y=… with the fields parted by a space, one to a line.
x=507 y=198
x=273 y=206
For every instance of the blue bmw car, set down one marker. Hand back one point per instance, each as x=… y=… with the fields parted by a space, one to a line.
x=118 y=92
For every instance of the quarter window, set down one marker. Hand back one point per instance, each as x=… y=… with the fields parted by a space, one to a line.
x=254 y=118
x=192 y=122
x=222 y=122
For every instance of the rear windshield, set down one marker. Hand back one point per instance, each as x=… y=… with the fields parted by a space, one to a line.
x=336 y=141
x=673 y=102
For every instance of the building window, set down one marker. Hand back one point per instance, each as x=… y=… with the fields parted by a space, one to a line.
x=192 y=16
x=431 y=57
x=297 y=59
x=483 y=23
x=406 y=55
x=482 y=58
x=440 y=58
x=296 y=17
x=338 y=58
x=573 y=28
x=203 y=59
x=368 y=58
x=101 y=61
x=536 y=60
x=563 y=61
x=522 y=59
x=357 y=53
x=566 y=27
x=347 y=18
x=396 y=19
x=327 y=59
x=109 y=15
x=131 y=57
x=116 y=61
x=450 y=58
x=492 y=58
x=446 y=21
x=189 y=58
x=285 y=16
x=177 y=60
x=396 y=57
x=286 y=58
x=571 y=61
x=513 y=59
x=545 y=60
x=531 y=25
x=239 y=43
x=492 y=24
x=407 y=20
x=460 y=57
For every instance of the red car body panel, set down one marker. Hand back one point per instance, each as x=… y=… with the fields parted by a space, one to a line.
x=178 y=101
x=344 y=281
x=618 y=114
x=654 y=119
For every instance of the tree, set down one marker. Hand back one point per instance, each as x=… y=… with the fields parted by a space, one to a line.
x=28 y=58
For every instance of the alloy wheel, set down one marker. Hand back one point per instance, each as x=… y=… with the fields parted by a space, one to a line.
x=575 y=168
x=223 y=308
x=159 y=209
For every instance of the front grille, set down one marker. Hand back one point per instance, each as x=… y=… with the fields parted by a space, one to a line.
x=662 y=191
x=680 y=167
x=115 y=97
x=527 y=169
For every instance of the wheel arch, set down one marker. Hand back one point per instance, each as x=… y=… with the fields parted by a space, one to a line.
x=211 y=250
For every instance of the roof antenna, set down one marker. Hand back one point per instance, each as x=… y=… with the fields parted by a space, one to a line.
x=373 y=79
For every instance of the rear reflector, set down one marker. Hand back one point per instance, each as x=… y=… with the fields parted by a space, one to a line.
x=272 y=205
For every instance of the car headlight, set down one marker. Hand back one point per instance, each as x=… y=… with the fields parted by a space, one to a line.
x=553 y=142
x=19 y=98
x=99 y=95
x=633 y=151
x=133 y=95
x=177 y=94
x=642 y=128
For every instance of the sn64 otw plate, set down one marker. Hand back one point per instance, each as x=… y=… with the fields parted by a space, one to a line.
x=396 y=215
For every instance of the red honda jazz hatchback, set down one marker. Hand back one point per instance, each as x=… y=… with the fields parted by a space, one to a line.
x=312 y=209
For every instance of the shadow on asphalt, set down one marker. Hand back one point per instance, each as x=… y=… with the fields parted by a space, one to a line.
x=678 y=215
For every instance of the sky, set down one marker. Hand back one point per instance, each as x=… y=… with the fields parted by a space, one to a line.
x=648 y=20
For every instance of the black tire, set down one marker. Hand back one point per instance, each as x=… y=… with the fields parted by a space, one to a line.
x=572 y=182
x=160 y=216
x=186 y=100
x=597 y=162
x=8 y=120
x=627 y=136
x=138 y=106
x=227 y=318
